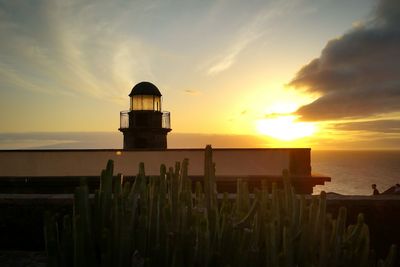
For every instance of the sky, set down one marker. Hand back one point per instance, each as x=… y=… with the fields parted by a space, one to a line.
x=284 y=73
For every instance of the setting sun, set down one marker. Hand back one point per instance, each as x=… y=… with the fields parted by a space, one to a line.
x=285 y=128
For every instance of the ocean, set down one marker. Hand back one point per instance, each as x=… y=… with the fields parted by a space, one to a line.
x=352 y=172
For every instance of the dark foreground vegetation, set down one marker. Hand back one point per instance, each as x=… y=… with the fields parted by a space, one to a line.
x=160 y=221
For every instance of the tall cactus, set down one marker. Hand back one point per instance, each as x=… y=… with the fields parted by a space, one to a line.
x=159 y=221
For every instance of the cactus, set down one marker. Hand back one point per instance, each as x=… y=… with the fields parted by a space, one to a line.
x=160 y=221
x=52 y=242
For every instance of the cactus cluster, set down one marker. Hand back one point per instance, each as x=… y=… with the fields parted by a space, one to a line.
x=163 y=221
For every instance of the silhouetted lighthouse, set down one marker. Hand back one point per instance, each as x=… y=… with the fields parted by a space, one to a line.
x=145 y=126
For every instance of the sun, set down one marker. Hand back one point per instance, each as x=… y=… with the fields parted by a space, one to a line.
x=285 y=127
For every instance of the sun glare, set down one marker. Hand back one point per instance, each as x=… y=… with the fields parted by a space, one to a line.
x=285 y=128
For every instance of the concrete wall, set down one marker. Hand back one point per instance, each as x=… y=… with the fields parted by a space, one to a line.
x=232 y=162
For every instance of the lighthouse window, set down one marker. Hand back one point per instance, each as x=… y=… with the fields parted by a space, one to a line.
x=157 y=103
x=142 y=102
x=147 y=102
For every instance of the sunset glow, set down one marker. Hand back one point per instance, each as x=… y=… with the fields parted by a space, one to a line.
x=226 y=68
x=285 y=128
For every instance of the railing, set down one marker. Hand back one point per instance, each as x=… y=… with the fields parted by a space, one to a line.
x=124 y=120
x=166 y=120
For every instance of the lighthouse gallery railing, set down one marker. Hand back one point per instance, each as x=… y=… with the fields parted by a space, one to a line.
x=124 y=120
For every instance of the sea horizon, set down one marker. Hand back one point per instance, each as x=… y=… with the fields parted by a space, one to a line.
x=114 y=140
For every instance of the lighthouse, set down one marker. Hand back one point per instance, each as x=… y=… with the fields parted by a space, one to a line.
x=145 y=125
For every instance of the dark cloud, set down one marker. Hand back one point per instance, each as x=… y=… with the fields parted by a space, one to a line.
x=380 y=126
x=357 y=74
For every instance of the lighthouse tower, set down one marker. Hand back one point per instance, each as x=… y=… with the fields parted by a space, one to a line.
x=144 y=125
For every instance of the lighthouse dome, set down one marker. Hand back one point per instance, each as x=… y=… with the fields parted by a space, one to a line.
x=145 y=88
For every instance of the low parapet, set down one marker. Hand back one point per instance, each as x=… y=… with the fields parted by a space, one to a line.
x=250 y=164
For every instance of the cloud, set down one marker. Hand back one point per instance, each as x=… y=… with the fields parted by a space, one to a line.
x=379 y=126
x=358 y=74
x=71 y=48
x=60 y=140
x=191 y=92
x=227 y=60
x=255 y=28
x=247 y=35
x=373 y=142
x=101 y=140
x=275 y=115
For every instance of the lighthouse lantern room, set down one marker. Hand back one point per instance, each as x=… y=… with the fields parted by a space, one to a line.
x=144 y=125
